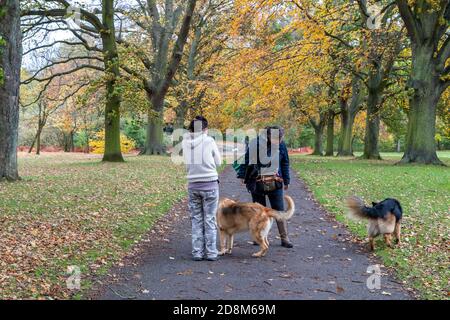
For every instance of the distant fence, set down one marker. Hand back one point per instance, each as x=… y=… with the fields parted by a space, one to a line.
x=59 y=149
x=305 y=150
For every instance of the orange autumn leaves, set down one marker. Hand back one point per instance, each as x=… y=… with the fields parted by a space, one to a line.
x=277 y=54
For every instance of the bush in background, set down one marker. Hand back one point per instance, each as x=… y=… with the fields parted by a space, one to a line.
x=97 y=144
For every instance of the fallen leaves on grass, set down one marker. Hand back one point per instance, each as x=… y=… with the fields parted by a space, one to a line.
x=74 y=210
x=424 y=192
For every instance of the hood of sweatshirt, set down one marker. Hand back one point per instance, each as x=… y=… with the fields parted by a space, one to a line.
x=194 y=139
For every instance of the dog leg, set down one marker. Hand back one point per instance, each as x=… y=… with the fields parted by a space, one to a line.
x=371 y=243
x=223 y=243
x=263 y=247
x=230 y=244
x=266 y=241
x=398 y=231
x=387 y=239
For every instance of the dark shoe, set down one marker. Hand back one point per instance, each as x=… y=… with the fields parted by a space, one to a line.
x=286 y=244
x=197 y=258
x=212 y=258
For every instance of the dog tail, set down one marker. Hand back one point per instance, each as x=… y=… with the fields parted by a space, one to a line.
x=359 y=211
x=284 y=215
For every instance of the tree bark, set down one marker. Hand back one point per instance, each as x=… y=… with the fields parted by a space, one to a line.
x=318 y=134
x=372 y=131
x=154 y=144
x=112 y=109
x=86 y=148
x=420 y=139
x=66 y=142
x=181 y=112
x=347 y=121
x=72 y=141
x=30 y=150
x=330 y=134
x=163 y=76
x=348 y=115
x=38 y=141
x=10 y=64
x=427 y=27
x=42 y=120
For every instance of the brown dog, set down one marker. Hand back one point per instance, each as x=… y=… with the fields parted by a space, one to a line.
x=234 y=217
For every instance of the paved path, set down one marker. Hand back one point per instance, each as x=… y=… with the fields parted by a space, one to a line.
x=324 y=264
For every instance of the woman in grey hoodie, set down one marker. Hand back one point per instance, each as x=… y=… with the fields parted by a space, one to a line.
x=202 y=157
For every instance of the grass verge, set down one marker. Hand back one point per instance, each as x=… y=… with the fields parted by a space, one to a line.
x=73 y=210
x=422 y=262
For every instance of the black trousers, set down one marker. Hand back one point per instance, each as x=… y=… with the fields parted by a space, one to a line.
x=276 y=199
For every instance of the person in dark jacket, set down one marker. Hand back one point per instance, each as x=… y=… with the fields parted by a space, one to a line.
x=258 y=167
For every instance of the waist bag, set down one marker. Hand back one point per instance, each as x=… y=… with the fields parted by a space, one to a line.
x=266 y=184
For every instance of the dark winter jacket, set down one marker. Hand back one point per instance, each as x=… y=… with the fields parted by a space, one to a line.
x=283 y=170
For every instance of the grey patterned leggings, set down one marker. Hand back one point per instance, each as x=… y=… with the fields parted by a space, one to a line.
x=203 y=208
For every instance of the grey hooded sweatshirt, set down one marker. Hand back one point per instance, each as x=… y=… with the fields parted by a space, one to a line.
x=201 y=156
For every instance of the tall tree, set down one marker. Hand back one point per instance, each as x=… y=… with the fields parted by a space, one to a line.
x=350 y=105
x=331 y=115
x=92 y=26
x=10 y=64
x=203 y=57
x=427 y=23
x=382 y=44
x=161 y=61
x=113 y=98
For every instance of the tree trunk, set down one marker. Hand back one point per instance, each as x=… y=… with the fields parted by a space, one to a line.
x=341 y=137
x=348 y=115
x=72 y=141
x=372 y=132
x=38 y=141
x=154 y=144
x=30 y=150
x=330 y=134
x=347 y=121
x=112 y=109
x=162 y=77
x=420 y=139
x=181 y=112
x=87 y=149
x=42 y=119
x=66 y=142
x=10 y=64
x=399 y=147
x=318 y=134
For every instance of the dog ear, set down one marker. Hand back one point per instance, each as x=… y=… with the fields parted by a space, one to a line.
x=374 y=204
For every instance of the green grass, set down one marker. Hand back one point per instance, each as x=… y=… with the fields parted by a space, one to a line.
x=71 y=209
x=422 y=262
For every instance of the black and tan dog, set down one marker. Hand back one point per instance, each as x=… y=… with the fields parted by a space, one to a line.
x=234 y=217
x=384 y=218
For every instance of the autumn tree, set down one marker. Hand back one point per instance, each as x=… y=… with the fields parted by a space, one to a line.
x=427 y=23
x=97 y=25
x=10 y=64
x=340 y=24
x=367 y=43
x=383 y=42
x=204 y=56
x=159 y=55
